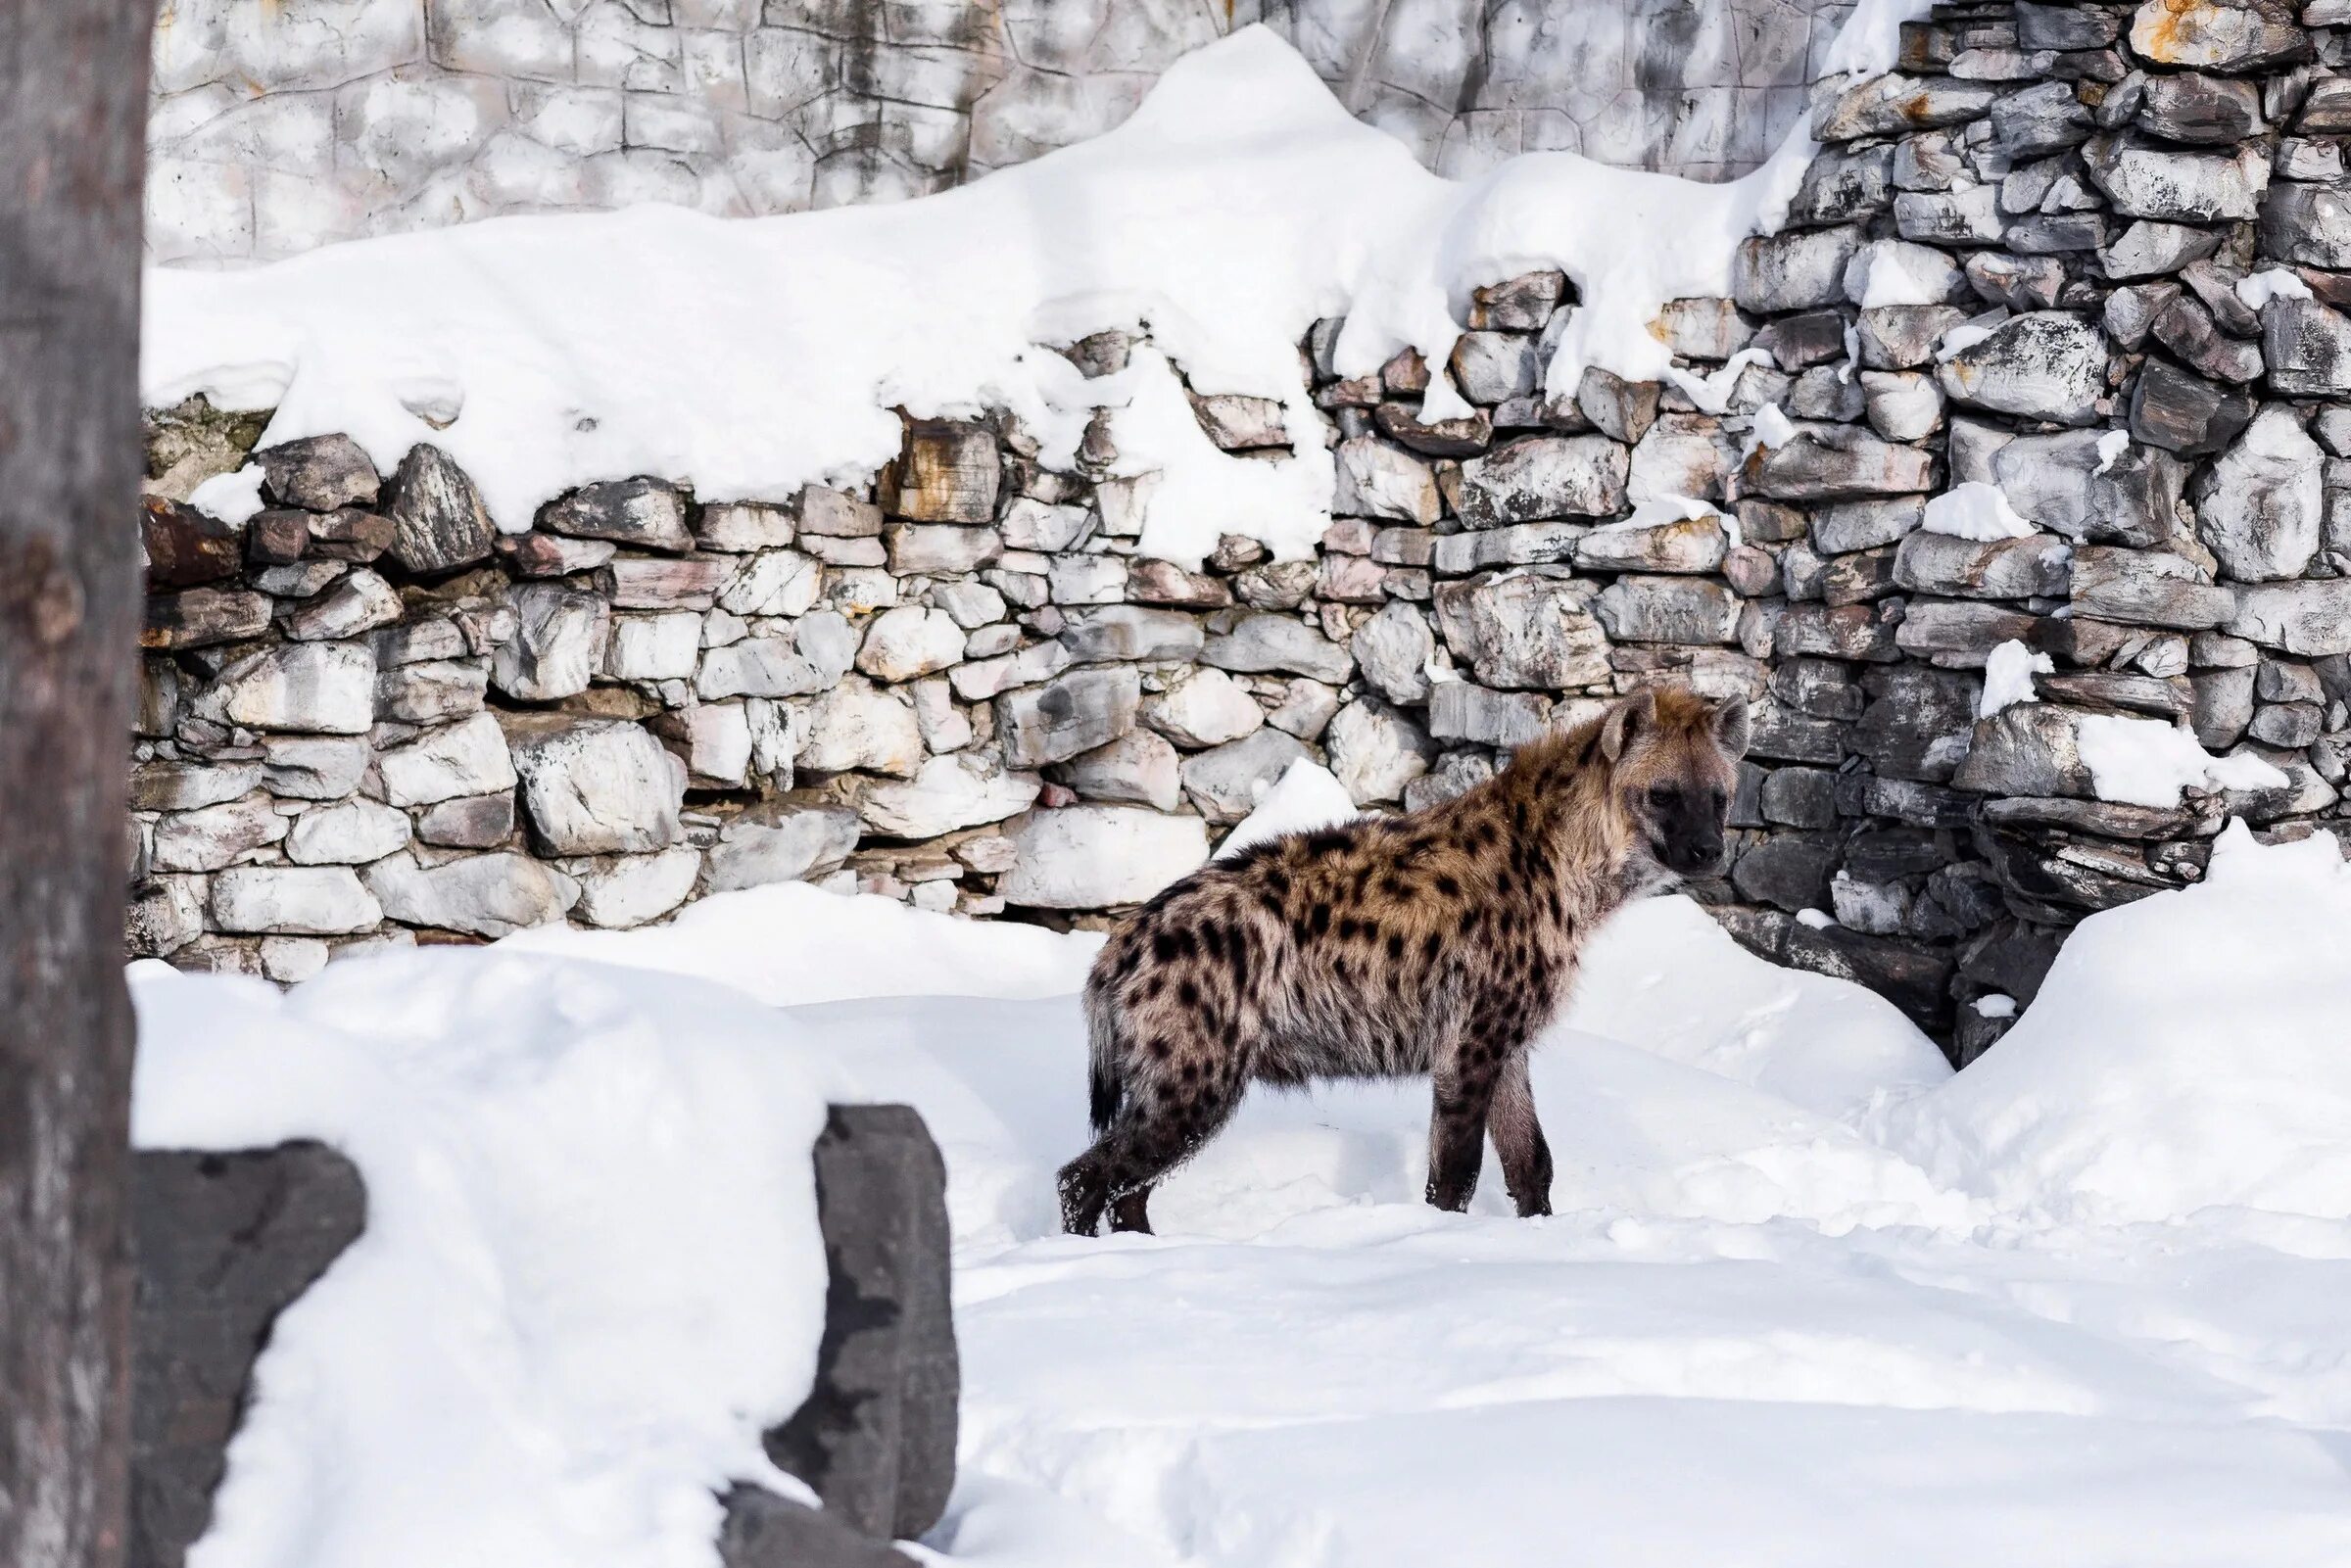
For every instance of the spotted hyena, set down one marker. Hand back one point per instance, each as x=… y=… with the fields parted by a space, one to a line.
x=1439 y=941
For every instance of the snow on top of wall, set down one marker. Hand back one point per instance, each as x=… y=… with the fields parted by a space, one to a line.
x=1238 y=205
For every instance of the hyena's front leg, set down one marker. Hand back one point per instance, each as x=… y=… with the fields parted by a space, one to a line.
x=1518 y=1138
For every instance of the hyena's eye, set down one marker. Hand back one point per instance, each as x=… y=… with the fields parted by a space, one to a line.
x=1660 y=794
x=1720 y=799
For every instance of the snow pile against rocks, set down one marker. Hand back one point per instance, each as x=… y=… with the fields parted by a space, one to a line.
x=1237 y=206
x=1807 y=1297
x=591 y=1276
x=2185 y=1052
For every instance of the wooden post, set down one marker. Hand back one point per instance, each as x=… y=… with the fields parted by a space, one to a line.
x=73 y=117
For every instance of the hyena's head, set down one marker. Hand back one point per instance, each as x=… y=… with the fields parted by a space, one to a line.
x=1672 y=765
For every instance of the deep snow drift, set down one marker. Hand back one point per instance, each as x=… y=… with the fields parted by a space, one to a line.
x=1807 y=1299
x=1238 y=205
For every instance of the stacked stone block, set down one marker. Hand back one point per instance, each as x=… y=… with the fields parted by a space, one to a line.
x=2022 y=261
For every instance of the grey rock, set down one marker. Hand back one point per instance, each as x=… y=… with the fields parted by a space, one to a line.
x=2043 y=119
x=1531 y=629
x=2186 y=107
x=2019 y=282
x=2147 y=588
x=2307 y=224
x=1493 y=368
x=2145 y=179
x=1685 y=545
x=757 y=667
x=2030 y=748
x=2261 y=506
x=2183 y=413
x=1125 y=632
x=1846 y=632
x=1458 y=710
x=431 y=691
x=1796 y=270
x=2186 y=328
x=1072 y=713
x=1790 y=870
x=358 y=604
x=185 y=785
x=161 y=916
x=1894 y=105
x=220 y=1242
x=213 y=838
x=1865 y=524
x=2035 y=566
x=741 y=527
x=1918 y=724
x=470 y=821
x=759 y=1529
x=1681 y=454
x=908 y=641
x=295 y=900
x=1834 y=462
x=1445 y=438
x=318 y=473
x=2064 y=26
x=558 y=642
x=1709 y=330
x=876 y=1437
x=2223 y=705
x=780 y=842
x=438 y=520
x=2046 y=365
x=649 y=583
x=1959 y=634
x=619 y=891
x=2217 y=34
x=1376 y=480
x=2307 y=346
x=1842 y=184
x=1265 y=643
x=1236 y=422
x=659 y=647
x=2147 y=250
x=2309 y=618
x=940 y=549
x=1666 y=609
x=313 y=767
x=482 y=896
x=596 y=786
x=1137 y=769
x=1225 y=782
x=1521 y=545
x=2066 y=483
x=1970 y=217
x=311 y=688
x=1544 y=476
x=774 y=581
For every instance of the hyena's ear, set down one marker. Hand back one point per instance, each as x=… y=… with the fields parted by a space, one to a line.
x=1627 y=718
x=1732 y=726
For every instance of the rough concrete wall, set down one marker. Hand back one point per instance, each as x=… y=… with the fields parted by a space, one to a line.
x=281 y=125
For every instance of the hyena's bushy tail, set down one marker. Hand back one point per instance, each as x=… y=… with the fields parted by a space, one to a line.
x=1106 y=1062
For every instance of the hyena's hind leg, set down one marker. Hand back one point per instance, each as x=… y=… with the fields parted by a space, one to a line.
x=1170 y=1110
x=1518 y=1138
x=1471 y=1048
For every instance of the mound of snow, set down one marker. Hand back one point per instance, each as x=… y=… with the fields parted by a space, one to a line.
x=591 y=1275
x=2146 y=762
x=1975 y=510
x=1237 y=206
x=2184 y=1051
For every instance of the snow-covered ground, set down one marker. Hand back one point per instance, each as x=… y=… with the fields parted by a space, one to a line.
x=1807 y=1299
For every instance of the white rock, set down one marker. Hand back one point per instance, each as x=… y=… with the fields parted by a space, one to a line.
x=298 y=900
x=961 y=789
x=459 y=759
x=484 y=895
x=858 y=725
x=776 y=841
x=215 y=837
x=655 y=647
x=1096 y=857
x=316 y=688
x=776 y=582
x=1205 y=708
x=904 y=643
x=1375 y=751
x=598 y=786
x=1137 y=769
x=347 y=835
x=557 y=644
x=623 y=891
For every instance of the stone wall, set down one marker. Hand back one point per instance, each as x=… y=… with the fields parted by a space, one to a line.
x=368 y=721
x=281 y=125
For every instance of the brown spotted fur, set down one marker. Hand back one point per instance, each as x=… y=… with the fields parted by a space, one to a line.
x=1440 y=941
